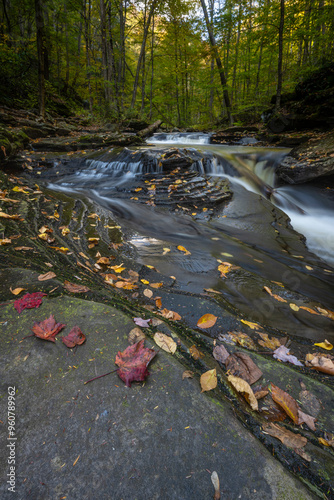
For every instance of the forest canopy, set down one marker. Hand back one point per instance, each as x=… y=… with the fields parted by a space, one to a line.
x=155 y=59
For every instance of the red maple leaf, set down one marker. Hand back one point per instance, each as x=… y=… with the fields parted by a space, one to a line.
x=47 y=329
x=75 y=337
x=29 y=301
x=133 y=362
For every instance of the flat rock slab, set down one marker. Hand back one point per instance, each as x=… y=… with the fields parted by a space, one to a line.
x=158 y=439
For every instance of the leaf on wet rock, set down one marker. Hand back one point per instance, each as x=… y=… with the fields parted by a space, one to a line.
x=47 y=276
x=75 y=288
x=272 y=343
x=16 y=291
x=322 y=363
x=220 y=353
x=133 y=363
x=29 y=301
x=187 y=374
x=245 y=390
x=285 y=401
x=243 y=340
x=156 y=285
x=283 y=354
x=325 y=345
x=148 y=293
x=75 y=337
x=308 y=309
x=47 y=329
x=117 y=269
x=165 y=251
x=294 y=307
x=105 y=261
x=307 y=419
x=253 y=326
x=241 y=365
x=206 y=321
x=60 y=249
x=165 y=342
x=326 y=313
x=211 y=290
x=174 y=316
x=195 y=353
x=182 y=249
x=8 y=216
x=276 y=297
x=288 y=438
x=144 y=323
x=5 y=241
x=208 y=380
x=135 y=335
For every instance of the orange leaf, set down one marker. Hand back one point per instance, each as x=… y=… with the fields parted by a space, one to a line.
x=207 y=321
x=285 y=401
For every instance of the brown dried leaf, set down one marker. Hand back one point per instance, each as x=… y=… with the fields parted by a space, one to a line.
x=75 y=288
x=285 y=401
x=208 y=380
x=307 y=419
x=187 y=374
x=148 y=293
x=170 y=315
x=220 y=353
x=241 y=365
x=288 y=438
x=320 y=363
x=206 y=321
x=272 y=343
x=243 y=340
x=16 y=291
x=165 y=342
x=135 y=335
x=105 y=261
x=195 y=353
x=245 y=389
x=47 y=276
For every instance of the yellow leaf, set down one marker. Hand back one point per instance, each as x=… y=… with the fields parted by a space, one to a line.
x=56 y=215
x=16 y=291
x=65 y=231
x=245 y=389
x=253 y=326
x=325 y=345
x=182 y=249
x=207 y=321
x=165 y=342
x=117 y=269
x=94 y=240
x=156 y=285
x=75 y=461
x=208 y=380
x=138 y=189
x=103 y=260
x=145 y=282
x=5 y=241
x=294 y=307
x=61 y=249
x=18 y=189
x=151 y=188
x=7 y=216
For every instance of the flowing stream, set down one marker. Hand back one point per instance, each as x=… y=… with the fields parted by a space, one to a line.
x=281 y=236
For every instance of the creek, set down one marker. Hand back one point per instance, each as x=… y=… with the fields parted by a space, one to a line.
x=277 y=236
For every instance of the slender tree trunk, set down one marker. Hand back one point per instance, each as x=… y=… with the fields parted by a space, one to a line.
x=40 y=36
x=280 y=58
x=152 y=69
x=218 y=62
x=234 y=89
x=142 y=51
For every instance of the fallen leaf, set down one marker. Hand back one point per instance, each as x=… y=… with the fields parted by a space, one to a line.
x=104 y=261
x=272 y=343
x=47 y=329
x=285 y=401
x=307 y=419
x=326 y=313
x=243 y=340
x=206 y=321
x=253 y=326
x=23 y=248
x=133 y=362
x=144 y=323
x=158 y=302
x=135 y=335
x=7 y=216
x=195 y=353
x=220 y=353
x=148 y=293
x=75 y=337
x=61 y=249
x=47 y=276
x=75 y=288
x=325 y=345
x=182 y=249
x=65 y=230
x=170 y=315
x=75 y=461
x=19 y=189
x=211 y=290
x=283 y=354
x=16 y=291
x=145 y=282
x=187 y=374
x=241 y=365
x=308 y=309
x=277 y=297
x=288 y=438
x=245 y=389
x=156 y=285
x=320 y=363
x=5 y=241
x=294 y=307
x=117 y=269
x=262 y=393
x=224 y=268
x=29 y=301
x=94 y=240
x=208 y=380
x=165 y=342
x=165 y=251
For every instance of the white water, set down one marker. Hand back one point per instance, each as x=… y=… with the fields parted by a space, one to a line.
x=179 y=138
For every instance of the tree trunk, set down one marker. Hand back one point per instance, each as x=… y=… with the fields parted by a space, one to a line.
x=150 y=129
x=280 y=59
x=141 y=55
x=219 y=63
x=40 y=36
